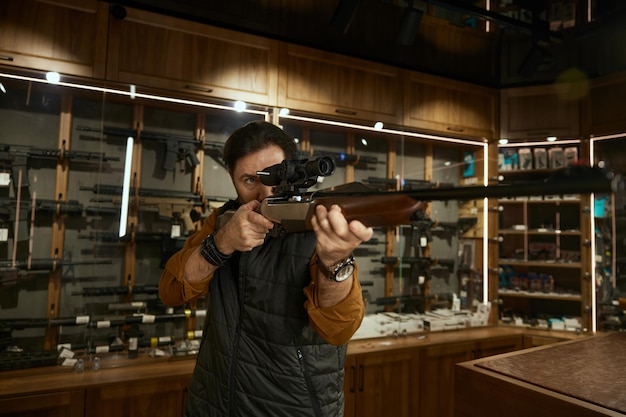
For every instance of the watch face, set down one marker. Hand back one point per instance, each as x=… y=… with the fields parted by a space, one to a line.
x=344 y=272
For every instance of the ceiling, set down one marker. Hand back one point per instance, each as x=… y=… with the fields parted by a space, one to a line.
x=520 y=49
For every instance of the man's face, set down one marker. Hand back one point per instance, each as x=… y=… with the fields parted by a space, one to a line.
x=244 y=176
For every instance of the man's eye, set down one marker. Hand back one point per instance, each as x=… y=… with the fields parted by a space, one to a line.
x=250 y=180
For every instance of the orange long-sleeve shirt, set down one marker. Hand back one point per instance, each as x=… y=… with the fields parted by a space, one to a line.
x=335 y=324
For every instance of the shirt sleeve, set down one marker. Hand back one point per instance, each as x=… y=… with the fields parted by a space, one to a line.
x=336 y=324
x=174 y=289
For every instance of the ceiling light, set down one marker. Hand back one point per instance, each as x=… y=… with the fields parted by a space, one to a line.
x=378 y=125
x=53 y=77
x=283 y=112
x=364 y=141
x=551 y=138
x=503 y=141
x=4 y=90
x=240 y=105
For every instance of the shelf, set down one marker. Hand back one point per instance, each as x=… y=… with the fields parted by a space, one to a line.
x=537 y=295
x=549 y=201
x=541 y=264
x=539 y=232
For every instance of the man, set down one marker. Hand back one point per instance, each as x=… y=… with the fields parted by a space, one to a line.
x=281 y=306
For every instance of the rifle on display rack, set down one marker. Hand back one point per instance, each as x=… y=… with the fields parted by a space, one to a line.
x=421 y=267
x=423 y=228
x=292 y=206
x=122 y=290
x=169 y=245
x=169 y=204
x=177 y=148
x=11 y=271
x=17 y=156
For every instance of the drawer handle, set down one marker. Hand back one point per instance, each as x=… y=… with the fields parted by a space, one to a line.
x=199 y=88
x=348 y=112
x=6 y=58
x=455 y=129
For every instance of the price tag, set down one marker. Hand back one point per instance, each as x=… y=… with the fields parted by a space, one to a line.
x=4 y=234
x=5 y=179
x=175 y=231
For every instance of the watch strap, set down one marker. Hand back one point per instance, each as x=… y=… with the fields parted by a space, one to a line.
x=211 y=253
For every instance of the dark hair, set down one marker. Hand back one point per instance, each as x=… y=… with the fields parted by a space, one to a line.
x=255 y=136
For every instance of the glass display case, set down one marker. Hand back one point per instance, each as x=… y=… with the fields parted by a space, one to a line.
x=81 y=263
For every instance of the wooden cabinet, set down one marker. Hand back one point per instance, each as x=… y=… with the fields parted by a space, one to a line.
x=437 y=370
x=161 y=397
x=171 y=54
x=604 y=111
x=326 y=83
x=450 y=107
x=67 y=36
x=381 y=383
x=437 y=376
x=541 y=111
x=59 y=404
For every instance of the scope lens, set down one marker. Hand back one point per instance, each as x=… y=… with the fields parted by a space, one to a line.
x=320 y=167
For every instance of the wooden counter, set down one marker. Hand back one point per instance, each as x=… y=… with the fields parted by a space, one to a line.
x=575 y=378
x=383 y=368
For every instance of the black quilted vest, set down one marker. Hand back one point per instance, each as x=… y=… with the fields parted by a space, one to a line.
x=259 y=356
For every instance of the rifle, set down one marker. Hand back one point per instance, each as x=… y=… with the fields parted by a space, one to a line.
x=423 y=228
x=420 y=266
x=9 y=210
x=144 y=319
x=169 y=245
x=10 y=271
x=18 y=156
x=169 y=204
x=405 y=183
x=292 y=206
x=123 y=290
x=177 y=148
x=215 y=151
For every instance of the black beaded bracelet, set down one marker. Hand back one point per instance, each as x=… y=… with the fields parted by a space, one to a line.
x=211 y=253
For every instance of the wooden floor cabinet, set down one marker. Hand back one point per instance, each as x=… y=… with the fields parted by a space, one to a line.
x=379 y=384
x=437 y=368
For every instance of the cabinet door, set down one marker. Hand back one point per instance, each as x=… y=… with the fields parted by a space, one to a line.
x=160 y=397
x=531 y=341
x=385 y=384
x=350 y=386
x=492 y=347
x=451 y=107
x=322 y=82
x=437 y=366
x=604 y=107
x=61 y=404
x=43 y=35
x=540 y=111
x=172 y=54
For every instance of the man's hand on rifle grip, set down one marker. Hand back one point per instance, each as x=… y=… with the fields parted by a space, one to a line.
x=244 y=231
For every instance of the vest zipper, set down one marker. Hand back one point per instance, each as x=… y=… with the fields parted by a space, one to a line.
x=233 y=363
x=317 y=411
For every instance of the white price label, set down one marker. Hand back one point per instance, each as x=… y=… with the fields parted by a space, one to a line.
x=5 y=179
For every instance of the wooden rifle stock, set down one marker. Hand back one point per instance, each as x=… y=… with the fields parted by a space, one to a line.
x=378 y=210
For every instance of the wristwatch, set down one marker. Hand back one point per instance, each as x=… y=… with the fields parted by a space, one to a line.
x=338 y=272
